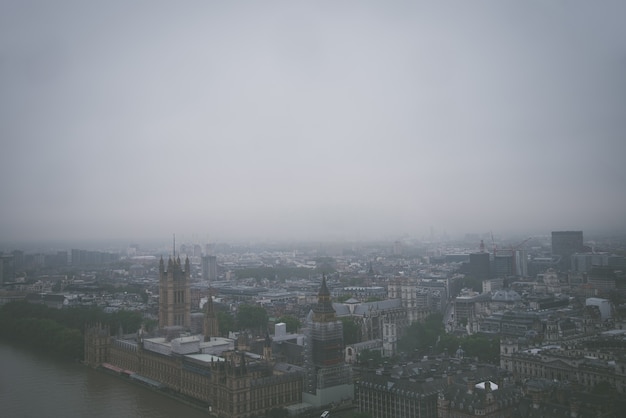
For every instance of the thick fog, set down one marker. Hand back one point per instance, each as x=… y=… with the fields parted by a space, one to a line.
x=310 y=120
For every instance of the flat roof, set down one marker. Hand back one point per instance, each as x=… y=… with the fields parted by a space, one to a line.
x=206 y=358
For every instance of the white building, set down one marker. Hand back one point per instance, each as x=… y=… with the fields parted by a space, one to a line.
x=603 y=304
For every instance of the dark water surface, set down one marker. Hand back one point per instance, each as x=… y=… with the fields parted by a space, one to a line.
x=35 y=385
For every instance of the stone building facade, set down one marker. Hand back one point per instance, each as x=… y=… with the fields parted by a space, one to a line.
x=231 y=385
x=174 y=294
x=205 y=369
x=436 y=388
x=328 y=377
x=587 y=364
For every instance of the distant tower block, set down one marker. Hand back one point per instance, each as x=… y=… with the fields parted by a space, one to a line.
x=479 y=265
x=565 y=244
x=174 y=294
x=209 y=268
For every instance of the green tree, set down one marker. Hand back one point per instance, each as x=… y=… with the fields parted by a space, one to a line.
x=430 y=336
x=128 y=321
x=252 y=317
x=484 y=348
x=351 y=331
x=71 y=343
x=292 y=323
x=38 y=326
x=449 y=343
x=151 y=324
x=423 y=336
x=226 y=323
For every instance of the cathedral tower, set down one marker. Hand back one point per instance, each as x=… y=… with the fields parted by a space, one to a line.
x=174 y=294
x=211 y=326
x=328 y=377
x=97 y=342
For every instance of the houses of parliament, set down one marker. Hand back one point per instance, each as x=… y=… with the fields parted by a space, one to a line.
x=219 y=374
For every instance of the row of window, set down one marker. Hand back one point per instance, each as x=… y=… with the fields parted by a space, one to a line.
x=587 y=379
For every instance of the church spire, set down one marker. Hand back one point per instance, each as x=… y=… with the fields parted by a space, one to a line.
x=323 y=311
x=324 y=289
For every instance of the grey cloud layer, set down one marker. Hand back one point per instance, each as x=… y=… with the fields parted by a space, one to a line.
x=323 y=119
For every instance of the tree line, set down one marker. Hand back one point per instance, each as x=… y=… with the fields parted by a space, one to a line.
x=59 y=331
x=429 y=337
x=254 y=318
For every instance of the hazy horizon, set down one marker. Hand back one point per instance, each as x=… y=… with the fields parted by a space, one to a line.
x=310 y=121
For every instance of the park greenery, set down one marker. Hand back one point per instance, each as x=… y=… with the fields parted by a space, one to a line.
x=59 y=331
x=351 y=331
x=429 y=338
x=292 y=323
x=226 y=323
x=369 y=357
x=342 y=298
x=281 y=274
x=252 y=317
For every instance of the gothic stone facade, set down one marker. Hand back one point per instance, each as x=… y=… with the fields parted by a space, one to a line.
x=233 y=386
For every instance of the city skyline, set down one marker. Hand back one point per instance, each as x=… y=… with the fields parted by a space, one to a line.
x=319 y=121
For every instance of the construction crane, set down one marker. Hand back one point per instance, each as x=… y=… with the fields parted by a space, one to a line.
x=522 y=243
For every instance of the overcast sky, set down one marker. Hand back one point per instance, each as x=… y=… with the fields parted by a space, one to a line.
x=310 y=120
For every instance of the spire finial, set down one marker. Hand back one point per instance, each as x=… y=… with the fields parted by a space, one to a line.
x=174 y=246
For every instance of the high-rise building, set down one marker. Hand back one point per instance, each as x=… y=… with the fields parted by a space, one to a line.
x=91 y=258
x=18 y=259
x=174 y=294
x=520 y=262
x=209 y=267
x=7 y=268
x=565 y=244
x=479 y=266
x=502 y=266
x=584 y=262
x=328 y=377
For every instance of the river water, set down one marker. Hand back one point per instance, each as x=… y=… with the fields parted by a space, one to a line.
x=35 y=385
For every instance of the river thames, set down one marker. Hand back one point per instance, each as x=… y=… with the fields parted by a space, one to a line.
x=35 y=385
